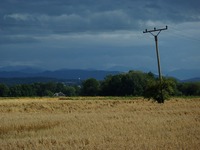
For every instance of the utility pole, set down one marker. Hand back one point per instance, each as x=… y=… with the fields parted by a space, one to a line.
x=157 y=51
x=161 y=98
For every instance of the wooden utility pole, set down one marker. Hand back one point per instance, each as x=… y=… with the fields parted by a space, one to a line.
x=157 y=51
x=161 y=99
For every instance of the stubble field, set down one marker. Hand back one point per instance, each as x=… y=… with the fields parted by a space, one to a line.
x=99 y=123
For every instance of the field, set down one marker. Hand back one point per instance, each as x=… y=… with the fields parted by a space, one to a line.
x=99 y=123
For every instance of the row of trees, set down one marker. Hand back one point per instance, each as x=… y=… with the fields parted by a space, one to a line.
x=133 y=83
x=38 y=89
x=128 y=84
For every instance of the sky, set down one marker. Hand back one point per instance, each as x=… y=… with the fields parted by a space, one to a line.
x=99 y=34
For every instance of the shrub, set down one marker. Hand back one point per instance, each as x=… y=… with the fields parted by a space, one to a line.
x=159 y=91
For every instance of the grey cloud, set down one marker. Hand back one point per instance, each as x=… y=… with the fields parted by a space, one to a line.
x=17 y=40
x=95 y=22
x=19 y=17
x=104 y=15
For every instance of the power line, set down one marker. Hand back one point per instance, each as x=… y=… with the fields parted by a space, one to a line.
x=180 y=34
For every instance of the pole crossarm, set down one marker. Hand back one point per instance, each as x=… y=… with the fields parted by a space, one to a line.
x=154 y=30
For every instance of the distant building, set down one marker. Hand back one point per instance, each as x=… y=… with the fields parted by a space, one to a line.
x=59 y=94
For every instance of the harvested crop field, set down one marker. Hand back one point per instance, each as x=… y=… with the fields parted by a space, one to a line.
x=99 y=123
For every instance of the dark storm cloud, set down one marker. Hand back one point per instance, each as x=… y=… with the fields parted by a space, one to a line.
x=17 y=40
x=62 y=16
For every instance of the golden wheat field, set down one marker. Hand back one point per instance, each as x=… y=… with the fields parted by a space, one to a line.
x=98 y=123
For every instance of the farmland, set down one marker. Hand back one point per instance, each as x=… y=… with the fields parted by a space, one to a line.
x=99 y=123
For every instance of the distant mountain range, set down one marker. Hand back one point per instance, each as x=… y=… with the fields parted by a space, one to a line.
x=22 y=69
x=58 y=74
x=185 y=74
x=80 y=74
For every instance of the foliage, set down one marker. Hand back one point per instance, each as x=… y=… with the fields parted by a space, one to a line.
x=127 y=84
x=190 y=89
x=70 y=91
x=132 y=83
x=4 y=90
x=90 y=87
x=160 y=91
x=37 y=89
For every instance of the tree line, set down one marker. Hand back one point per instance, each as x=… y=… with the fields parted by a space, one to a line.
x=133 y=83
x=37 y=89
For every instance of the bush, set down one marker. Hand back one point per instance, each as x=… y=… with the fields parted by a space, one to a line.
x=159 y=91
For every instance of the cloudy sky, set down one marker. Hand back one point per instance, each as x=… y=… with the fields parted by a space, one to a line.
x=99 y=34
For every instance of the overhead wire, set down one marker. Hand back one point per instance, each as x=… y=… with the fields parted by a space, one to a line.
x=181 y=34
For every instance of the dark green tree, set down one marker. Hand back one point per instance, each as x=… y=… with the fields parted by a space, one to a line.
x=70 y=91
x=159 y=91
x=128 y=84
x=190 y=88
x=4 y=90
x=15 y=91
x=27 y=90
x=48 y=93
x=111 y=86
x=135 y=83
x=60 y=87
x=90 y=87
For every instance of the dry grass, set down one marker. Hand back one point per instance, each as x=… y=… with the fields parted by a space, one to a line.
x=99 y=123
